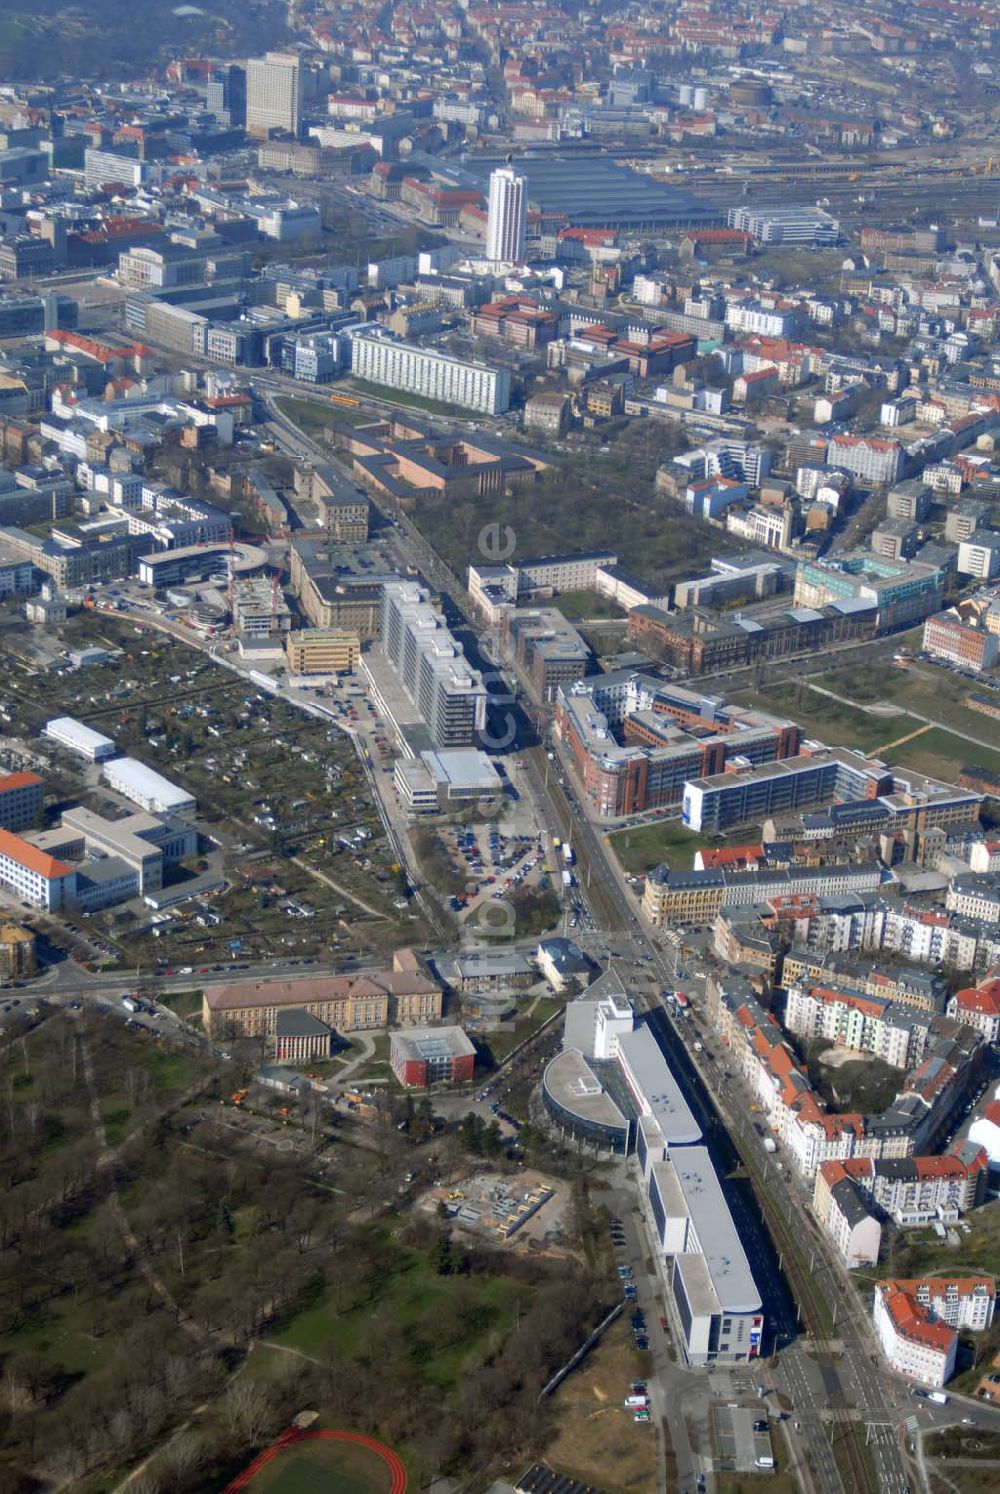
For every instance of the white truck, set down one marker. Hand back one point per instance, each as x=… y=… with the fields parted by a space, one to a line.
x=567 y=853
x=770 y=1145
x=567 y=878
x=939 y=1397
x=130 y=1004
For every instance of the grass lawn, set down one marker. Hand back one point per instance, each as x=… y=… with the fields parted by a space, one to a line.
x=411 y=401
x=440 y=1320
x=506 y=1039
x=836 y=724
x=577 y=604
x=186 y=1004
x=320 y=1467
x=641 y=849
x=313 y=418
x=942 y=753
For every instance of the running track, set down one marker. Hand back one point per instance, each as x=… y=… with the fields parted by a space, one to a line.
x=291 y=1435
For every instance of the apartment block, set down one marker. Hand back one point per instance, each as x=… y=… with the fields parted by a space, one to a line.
x=432 y=667
x=378 y=359
x=913 y=1343
x=948 y=637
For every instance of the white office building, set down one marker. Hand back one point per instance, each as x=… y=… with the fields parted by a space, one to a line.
x=79 y=738
x=379 y=359
x=133 y=780
x=274 y=93
x=34 y=876
x=506 y=221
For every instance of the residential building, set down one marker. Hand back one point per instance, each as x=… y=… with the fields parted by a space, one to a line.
x=979 y=555
x=947 y=636
x=378 y=359
x=696 y=897
x=842 y=1214
x=979 y=1007
x=506 y=217
x=873 y=461
x=17 y=952
x=851 y=1019
x=909 y=1190
x=432 y=1055
x=913 y=1344
x=432 y=667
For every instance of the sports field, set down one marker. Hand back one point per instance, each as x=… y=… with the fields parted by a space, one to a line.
x=323 y=1462
x=323 y=1468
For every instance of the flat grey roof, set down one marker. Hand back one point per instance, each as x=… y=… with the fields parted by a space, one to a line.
x=658 y=1090
x=705 y=1203
x=575 y=1086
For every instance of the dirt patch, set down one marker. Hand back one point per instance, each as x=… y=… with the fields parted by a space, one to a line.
x=597 y=1437
x=834 y=1058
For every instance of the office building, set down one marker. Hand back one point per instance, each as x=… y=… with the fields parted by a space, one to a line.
x=346 y=1003
x=133 y=780
x=441 y=782
x=905 y=592
x=432 y=1055
x=432 y=667
x=507 y=216
x=611 y=1088
x=226 y=96
x=805 y=226
x=79 y=738
x=34 y=876
x=378 y=359
x=322 y=651
x=549 y=648
x=274 y=93
x=637 y=741
x=21 y=797
x=119 y=168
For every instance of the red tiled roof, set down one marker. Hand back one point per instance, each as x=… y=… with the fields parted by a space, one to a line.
x=30 y=857
x=18 y=780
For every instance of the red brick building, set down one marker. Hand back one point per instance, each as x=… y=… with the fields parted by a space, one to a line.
x=432 y=1055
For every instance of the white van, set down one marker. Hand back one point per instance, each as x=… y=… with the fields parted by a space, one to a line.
x=765 y=1461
